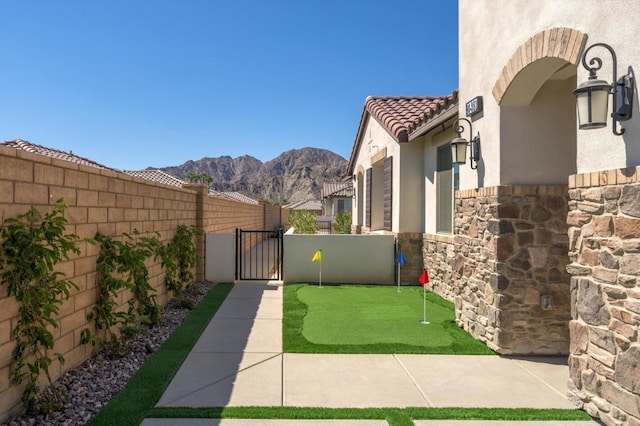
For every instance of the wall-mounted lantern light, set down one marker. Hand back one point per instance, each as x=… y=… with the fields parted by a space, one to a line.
x=459 y=145
x=593 y=95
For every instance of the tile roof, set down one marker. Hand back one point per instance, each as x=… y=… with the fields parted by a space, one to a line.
x=159 y=176
x=156 y=176
x=337 y=189
x=236 y=196
x=401 y=115
x=404 y=117
x=53 y=153
x=312 y=205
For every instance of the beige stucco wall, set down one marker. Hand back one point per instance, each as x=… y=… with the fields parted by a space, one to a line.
x=408 y=189
x=221 y=258
x=431 y=143
x=365 y=259
x=491 y=31
x=376 y=139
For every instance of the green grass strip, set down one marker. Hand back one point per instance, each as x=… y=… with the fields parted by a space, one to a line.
x=131 y=405
x=395 y=416
x=378 y=318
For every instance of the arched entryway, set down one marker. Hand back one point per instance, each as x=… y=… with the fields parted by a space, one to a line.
x=537 y=156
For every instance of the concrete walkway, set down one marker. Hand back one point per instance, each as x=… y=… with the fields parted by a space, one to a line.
x=238 y=361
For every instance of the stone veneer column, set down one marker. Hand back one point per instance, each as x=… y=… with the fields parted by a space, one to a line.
x=438 y=252
x=604 y=251
x=511 y=249
x=410 y=244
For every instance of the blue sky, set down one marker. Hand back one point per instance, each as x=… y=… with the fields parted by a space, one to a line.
x=140 y=83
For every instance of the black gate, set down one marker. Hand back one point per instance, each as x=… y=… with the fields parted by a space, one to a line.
x=259 y=255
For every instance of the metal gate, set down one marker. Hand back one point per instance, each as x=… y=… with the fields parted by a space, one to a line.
x=259 y=255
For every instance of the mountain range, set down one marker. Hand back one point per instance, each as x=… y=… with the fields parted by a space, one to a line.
x=295 y=175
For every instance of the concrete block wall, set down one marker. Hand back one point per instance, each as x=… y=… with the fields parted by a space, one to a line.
x=111 y=203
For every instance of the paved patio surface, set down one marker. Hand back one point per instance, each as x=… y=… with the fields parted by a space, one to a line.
x=238 y=362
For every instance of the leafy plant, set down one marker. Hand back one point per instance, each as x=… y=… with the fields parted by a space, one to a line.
x=178 y=258
x=139 y=249
x=343 y=223
x=304 y=222
x=32 y=245
x=108 y=284
x=121 y=265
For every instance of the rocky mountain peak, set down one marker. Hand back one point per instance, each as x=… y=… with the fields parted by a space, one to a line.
x=295 y=175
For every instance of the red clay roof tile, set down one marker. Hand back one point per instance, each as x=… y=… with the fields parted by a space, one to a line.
x=403 y=116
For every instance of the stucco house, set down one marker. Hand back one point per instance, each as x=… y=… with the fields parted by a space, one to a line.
x=547 y=228
x=541 y=253
x=402 y=171
x=313 y=206
x=336 y=197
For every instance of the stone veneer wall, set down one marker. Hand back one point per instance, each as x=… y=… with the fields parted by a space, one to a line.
x=438 y=254
x=604 y=251
x=511 y=247
x=111 y=203
x=410 y=245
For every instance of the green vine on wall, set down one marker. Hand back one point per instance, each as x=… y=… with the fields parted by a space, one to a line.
x=179 y=257
x=122 y=265
x=32 y=245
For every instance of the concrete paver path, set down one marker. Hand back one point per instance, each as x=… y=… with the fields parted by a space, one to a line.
x=238 y=361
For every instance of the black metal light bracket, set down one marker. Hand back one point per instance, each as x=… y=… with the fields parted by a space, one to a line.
x=621 y=89
x=459 y=145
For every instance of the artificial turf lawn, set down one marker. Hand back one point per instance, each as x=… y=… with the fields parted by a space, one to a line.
x=371 y=319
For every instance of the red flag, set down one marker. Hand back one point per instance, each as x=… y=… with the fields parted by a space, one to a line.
x=424 y=278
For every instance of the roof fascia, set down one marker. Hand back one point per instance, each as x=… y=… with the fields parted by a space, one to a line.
x=364 y=119
x=430 y=125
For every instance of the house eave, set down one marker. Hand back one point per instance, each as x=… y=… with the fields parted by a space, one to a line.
x=437 y=121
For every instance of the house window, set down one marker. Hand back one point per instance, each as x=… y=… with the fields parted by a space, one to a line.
x=344 y=205
x=447 y=181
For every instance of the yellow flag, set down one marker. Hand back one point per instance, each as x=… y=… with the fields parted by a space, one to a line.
x=317 y=256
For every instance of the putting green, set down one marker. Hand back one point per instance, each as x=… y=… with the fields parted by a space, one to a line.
x=364 y=315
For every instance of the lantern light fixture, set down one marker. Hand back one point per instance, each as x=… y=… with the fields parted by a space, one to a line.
x=459 y=145
x=592 y=96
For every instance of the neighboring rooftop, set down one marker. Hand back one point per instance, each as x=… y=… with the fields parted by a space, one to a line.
x=337 y=189
x=236 y=196
x=311 y=205
x=53 y=153
x=161 y=177
x=156 y=176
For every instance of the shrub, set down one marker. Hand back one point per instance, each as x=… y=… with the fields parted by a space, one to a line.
x=343 y=223
x=304 y=222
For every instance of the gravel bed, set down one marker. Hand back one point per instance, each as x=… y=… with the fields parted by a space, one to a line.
x=93 y=383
